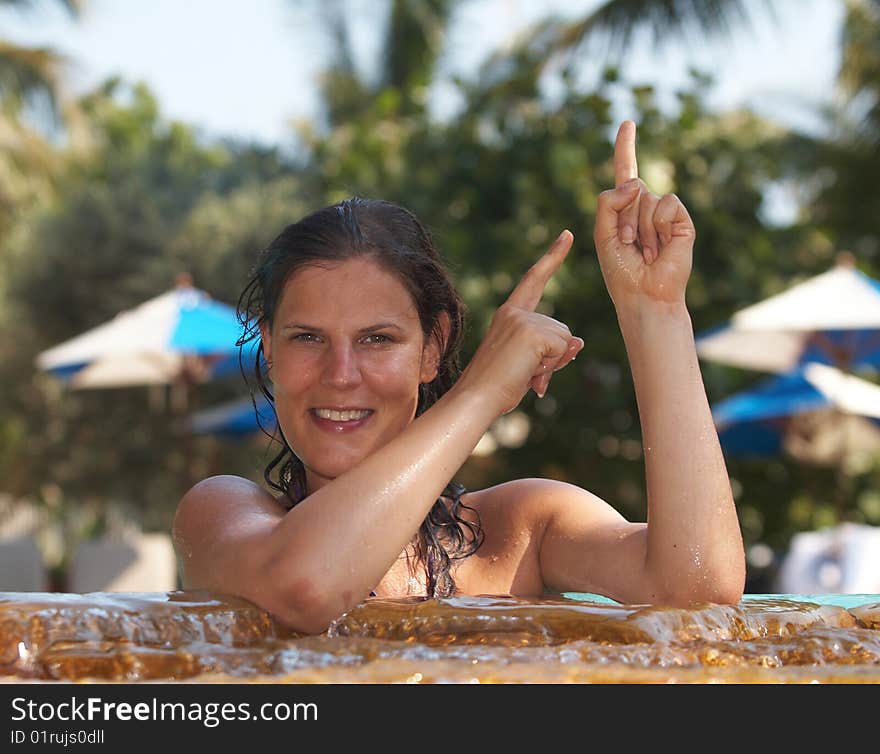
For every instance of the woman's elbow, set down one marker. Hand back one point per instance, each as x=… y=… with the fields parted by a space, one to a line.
x=721 y=594
x=729 y=581
x=303 y=603
x=724 y=588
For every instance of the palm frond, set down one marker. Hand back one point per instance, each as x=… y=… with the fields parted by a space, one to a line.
x=30 y=77
x=413 y=41
x=618 y=20
x=615 y=23
x=860 y=63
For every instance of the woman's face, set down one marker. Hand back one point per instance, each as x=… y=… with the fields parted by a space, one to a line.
x=346 y=354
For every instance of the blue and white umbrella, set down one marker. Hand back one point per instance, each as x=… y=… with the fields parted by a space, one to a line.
x=832 y=318
x=238 y=418
x=816 y=414
x=183 y=333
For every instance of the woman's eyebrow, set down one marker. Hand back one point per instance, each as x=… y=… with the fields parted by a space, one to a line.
x=370 y=328
x=382 y=326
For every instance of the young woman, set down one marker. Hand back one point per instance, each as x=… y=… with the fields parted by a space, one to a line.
x=359 y=329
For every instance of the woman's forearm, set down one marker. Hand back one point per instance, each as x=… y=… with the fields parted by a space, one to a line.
x=694 y=545
x=338 y=543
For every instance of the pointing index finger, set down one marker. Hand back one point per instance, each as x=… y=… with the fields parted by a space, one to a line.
x=529 y=290
x=625 y=166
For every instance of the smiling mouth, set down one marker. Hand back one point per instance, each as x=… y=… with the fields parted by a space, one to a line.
x=348 y=415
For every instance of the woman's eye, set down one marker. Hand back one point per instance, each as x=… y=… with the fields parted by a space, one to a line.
x=376 y=338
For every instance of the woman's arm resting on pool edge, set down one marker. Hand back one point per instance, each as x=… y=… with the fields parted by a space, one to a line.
x=313 y=563
x=691 y=548
x=220 y=532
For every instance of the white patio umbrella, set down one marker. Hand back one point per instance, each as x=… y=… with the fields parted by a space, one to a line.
x=833 y=318
x=176 y=338
x=179 y=338
x=817 y=414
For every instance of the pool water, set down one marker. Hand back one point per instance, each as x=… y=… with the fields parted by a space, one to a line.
x=199 y=637
x=841 y=600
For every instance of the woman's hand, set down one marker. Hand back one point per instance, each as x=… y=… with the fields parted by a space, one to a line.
x=522 y=348
x=644 y=242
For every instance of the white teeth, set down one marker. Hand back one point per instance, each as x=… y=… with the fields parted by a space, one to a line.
x=340 y=416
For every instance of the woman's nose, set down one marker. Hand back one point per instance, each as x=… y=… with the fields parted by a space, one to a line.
x=341 y=368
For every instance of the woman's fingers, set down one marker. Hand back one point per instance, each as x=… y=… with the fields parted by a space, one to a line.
x=541 y=380
x=626 y=169
x=575 y=346
x=527 y=294
x=671 y=219
x=647 y=229
x=611 y=204
x=628 y=221
x=660 y=219
x=625 y=165
x=529 y=290
x=541 y=383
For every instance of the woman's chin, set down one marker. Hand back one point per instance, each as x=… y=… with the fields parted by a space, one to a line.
x=323 y=472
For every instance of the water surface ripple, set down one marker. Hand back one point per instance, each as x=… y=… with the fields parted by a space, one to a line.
x=202 y=637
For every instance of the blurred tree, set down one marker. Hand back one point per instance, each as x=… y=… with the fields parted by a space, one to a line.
x=29 y=76
x=410 y=50
x=613 y=26
x=845 y=205
x=667 y=21
x=860 y=65
x=496 y=182
x=31 y=107
x=839 y=210
x=502 y=177
x=128 y=210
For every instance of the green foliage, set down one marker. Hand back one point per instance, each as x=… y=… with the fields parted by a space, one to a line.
x=500 y=180
x=31 y=108
x=496 y=184
x=146 y=202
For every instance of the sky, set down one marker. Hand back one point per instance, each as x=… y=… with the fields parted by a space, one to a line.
x=247 y=68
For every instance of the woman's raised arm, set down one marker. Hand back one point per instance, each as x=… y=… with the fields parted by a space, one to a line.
x=692 y=547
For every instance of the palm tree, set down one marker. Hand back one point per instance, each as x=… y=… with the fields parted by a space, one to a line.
x=30 y=76
x=859 y=75
x=415 y=30
x=846 y=201
x=411 y=48
x=616 y=22
x=30 y=85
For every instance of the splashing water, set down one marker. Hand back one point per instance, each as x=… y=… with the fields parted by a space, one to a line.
x=196 y=636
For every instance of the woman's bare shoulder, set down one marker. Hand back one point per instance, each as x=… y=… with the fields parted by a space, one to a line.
x=515 y=517
x=227 y=486
x=534 y=504
x=220 y=529
x=529 y=496
x=215 y=501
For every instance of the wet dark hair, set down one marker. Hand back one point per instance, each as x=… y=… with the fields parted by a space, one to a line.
x=396 y=239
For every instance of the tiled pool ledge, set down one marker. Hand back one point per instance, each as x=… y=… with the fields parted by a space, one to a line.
x=841 y=600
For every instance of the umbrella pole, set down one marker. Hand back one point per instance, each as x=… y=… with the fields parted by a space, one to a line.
x=843 y=362
x=188 y=451
x=843 y=478
x=182 y=407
